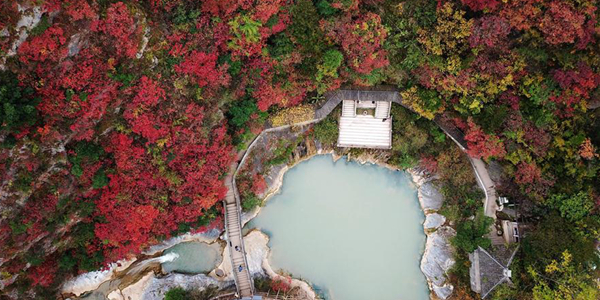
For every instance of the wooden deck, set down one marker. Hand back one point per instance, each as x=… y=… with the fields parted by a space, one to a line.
x=365 y=132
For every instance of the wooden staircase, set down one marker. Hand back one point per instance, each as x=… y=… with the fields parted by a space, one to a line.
x=233 y=226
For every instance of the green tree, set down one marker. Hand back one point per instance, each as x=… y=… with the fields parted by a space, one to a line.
x=240 y=111
x=471 y=233
x=306 y=33
x=563 y=281
x=326 y=131
x=572 y=207
x=177 y=293
x=17 y=104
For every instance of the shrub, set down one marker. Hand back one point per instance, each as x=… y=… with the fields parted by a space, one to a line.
x=177 y=293
x=17 y=105
x=326 y=131
x=250 y=202
x=292 y=115
x=471 y=233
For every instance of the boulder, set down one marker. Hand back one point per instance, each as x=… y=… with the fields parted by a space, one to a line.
x=438 y=256
x=443 y=292
x=433 y=221
x=430 y=197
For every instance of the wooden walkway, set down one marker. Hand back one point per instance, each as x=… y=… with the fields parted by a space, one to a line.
x=233 y=227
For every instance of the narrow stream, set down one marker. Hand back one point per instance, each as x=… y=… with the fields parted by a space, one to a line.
x=354 y=231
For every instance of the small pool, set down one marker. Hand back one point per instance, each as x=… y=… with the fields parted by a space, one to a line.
x=354 y=231
x=194 y=257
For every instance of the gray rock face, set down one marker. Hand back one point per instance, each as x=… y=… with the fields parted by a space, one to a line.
x=443 y=292
x=430 y=197
x=433 y=221
x=438 y=256
x=157 y=287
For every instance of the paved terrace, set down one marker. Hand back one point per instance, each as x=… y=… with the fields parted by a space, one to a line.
x=233 y=226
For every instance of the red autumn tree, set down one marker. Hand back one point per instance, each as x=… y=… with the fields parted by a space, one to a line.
x=120 y=29
x=361 y=39
x=202 y=68
x=482 y=145
x=561 y=23
x=477 y=5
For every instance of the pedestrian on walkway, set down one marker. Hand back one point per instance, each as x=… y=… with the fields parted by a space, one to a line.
x=237 y=248
x=240 y=268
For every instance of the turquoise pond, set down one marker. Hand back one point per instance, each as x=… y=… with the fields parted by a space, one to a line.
x=193 y=257
x=353 y=231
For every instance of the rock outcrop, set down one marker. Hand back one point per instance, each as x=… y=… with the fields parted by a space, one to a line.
x=438 y=256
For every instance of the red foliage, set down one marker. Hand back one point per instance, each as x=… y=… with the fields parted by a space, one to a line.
x=224 y=8
x=489 y=31
x=282 y=284
x=561 y=23
x=258 y=184
x=429 y=164
x=127 y=227
x=577 y=84
x=202 y=67
x=522 y=14
x=79 y=10
x=482 y=145
x=477 y=5
x=121 y=29
x=362 y=41
x=43 y=275
x=46 y=46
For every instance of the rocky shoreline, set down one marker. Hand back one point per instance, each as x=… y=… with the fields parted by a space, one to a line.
x=438 y=254
x=436 y=260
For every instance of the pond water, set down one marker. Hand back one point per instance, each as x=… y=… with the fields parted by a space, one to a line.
x=193 y=257
x=354 y=231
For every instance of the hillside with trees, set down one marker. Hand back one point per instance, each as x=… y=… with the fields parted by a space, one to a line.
x=119 y=119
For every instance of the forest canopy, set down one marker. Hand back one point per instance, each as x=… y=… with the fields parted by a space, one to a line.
x=119 y=119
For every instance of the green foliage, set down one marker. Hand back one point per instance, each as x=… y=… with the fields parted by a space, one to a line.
x=23 y=181
x=41 y=26
x=17 y=104
x=100 y=179
x=280 y=45
x=177 y=293
x=120 y=75
x=240 y=111
x=491 y=117
x=282 y=153
x=234 y=66
x=332 y=60
x=325 y=8
x=563 y=281
x=243 y=27
x=471 y=233
x=250 y=202
x=185 y=15
x=18 y=227
x=305 y=31
x=326 y=131
x=552 y=236
x=572 y=207
x=85 y=152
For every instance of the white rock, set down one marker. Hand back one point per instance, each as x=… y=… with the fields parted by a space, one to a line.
x=438 y=256
x=157 y=287
x=430 y=197
x=433 y=221
x=443 y=292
